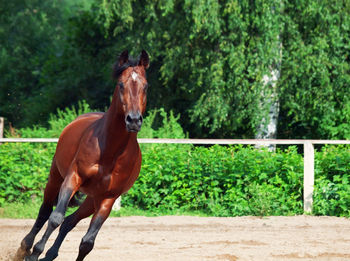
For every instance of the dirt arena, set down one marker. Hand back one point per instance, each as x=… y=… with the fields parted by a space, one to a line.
x=197 y=238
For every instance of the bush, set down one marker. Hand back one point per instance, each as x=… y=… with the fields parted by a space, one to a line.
x=57 y=122
x=158 y=124
x=216 y=180
x=221 y=181
x=24 y=167
x=236 y=180
x=332 y=181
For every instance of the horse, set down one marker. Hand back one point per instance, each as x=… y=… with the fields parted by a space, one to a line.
x=98 y=155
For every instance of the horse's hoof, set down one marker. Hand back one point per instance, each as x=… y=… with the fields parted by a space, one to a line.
x=21 y=254
x=31 y=258
x=48 y=258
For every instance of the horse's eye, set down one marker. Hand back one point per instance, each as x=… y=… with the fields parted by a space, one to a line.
x=121 y=86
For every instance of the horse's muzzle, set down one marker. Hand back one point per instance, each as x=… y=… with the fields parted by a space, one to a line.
x=133 y=122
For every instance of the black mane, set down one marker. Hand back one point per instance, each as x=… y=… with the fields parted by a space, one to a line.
x=117 y=70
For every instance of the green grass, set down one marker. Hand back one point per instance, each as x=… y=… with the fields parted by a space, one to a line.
x=128 y=211
x=24 y=210
x=30 y=210
x=19 y=210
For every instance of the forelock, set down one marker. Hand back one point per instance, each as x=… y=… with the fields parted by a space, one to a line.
x=118 y=70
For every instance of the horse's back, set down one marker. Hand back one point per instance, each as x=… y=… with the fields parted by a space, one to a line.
x=69 y=140
x=89 y=116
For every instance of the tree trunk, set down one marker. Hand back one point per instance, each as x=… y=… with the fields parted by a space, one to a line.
x=267 y=128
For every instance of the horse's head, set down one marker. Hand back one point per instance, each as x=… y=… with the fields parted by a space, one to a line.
x=131 y=88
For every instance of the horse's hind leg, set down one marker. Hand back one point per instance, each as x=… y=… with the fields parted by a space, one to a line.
x=103 y=209
x=85 y=210
x=50 y=194
x=69 y=186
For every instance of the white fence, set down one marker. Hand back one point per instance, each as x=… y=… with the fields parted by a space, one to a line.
x=309 y=172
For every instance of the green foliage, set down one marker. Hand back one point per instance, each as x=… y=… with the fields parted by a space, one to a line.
x=219 y=181
x=212 y=56
x=208 y=67
x=25 y=210
x=57 y=122
x=24 y=170
x=32 y=36
x=158 y=124
x=332 y=185
x=24 y=167
x=208 y=61
x=20 y=209
x=215 y=181
x=315 y=70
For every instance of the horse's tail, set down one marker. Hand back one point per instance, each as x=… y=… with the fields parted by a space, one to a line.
x=76 y=200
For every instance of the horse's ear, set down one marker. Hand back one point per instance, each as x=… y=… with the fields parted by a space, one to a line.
x=123 y=58
x=144 y=59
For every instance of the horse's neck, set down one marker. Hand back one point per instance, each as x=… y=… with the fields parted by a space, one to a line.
x=116 y=138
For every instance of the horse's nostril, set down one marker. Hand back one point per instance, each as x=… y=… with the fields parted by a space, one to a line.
x=133 y=121
x=128 y=119
x=133 y=118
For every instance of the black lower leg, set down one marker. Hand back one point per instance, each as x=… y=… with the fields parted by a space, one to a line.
x=56 y=218
x=88 y=241
x=68 y=224
x=43 y=216
x=85 y=210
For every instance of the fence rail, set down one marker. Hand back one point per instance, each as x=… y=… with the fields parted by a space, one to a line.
x=309 y=153
x=203 y=141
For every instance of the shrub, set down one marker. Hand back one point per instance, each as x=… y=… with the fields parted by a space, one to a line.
x=332 y=181
x=216 y=180
x=220 y=180
x=24 y=169
x=56 y=123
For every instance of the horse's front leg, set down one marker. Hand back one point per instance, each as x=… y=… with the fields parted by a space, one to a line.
x=103 y=209
x=85 y=210
x=70 y=185
x=51 y=191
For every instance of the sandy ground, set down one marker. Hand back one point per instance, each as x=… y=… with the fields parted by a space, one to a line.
x=198 y=238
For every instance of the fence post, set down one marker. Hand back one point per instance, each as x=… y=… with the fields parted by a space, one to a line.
x=309 y=154
x=117 y=204
x=1 y=128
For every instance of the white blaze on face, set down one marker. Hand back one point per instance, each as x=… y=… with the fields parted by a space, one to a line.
x=134 y=76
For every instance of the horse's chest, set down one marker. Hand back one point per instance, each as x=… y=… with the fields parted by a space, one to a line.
x=123 y=176
x=113 y=179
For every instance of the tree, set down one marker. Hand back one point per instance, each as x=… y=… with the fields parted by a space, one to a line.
x=222 y=65
x=210 y=57
x=28 y=35
x=32 y=39
x=315 y=76
x=267 y=129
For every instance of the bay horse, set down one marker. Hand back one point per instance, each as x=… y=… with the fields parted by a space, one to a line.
x=97 y=154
